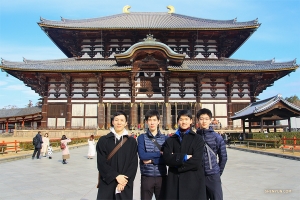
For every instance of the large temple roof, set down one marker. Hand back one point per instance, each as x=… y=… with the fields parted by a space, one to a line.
x=149 y=20
x=197 y=65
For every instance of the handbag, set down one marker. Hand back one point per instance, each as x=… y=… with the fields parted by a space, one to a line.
x=111 y=154
x=62 y=146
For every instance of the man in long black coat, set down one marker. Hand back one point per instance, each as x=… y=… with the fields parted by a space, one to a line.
x=183 y=154
x=118 y=173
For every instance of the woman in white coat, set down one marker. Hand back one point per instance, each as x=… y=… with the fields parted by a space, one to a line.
x=65 y=150
x=92 y=148
x=45 y=144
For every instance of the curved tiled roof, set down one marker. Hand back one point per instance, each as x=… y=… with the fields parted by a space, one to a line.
x=63 y=65
x=233 y=65
x=18 y=112
x=263 y=105
x=149 y=20
x=199 y=65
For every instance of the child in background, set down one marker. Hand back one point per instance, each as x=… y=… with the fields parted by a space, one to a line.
x=50 y=151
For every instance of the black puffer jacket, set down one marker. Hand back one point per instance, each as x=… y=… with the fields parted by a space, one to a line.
x=217 y=144
x=38 y=144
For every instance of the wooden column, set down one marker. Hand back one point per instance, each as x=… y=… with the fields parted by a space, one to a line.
x=142 y=118
x=44 y=113
x=261 y=125
x=250 y=125
x=167 y=116
x=289 y=124
x=244 y=128
x=23 y=121
x=69 y=113
x=133 y=116
x=108 y=116
x=101 y=115
x=275 y=130
x=6 y=129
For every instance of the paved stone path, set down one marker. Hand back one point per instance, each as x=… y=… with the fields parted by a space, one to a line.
x=248 y=176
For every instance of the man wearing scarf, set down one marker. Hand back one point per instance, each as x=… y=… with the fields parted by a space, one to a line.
x=183 y=153
x=118 y=173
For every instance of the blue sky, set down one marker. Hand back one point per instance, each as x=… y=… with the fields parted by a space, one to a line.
x=20 y=36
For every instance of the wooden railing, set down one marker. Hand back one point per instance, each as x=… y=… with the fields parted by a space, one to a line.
x=292 y=147
x=9 y=146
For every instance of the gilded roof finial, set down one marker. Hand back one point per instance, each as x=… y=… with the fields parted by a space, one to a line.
x=126 y=9
x=171 y=9
x=149 y=38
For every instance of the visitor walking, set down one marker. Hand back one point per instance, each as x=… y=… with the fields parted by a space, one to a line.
x=65 y=150
x=92 y=148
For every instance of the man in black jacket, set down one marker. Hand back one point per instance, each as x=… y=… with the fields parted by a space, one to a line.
x=118 y=173
x=183 y=153
x=215 y=155
x=37 y=145
x=152 y=166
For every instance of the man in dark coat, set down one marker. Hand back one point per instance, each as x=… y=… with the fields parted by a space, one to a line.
x=183 y=153
x=37 y=145
x=117 y=174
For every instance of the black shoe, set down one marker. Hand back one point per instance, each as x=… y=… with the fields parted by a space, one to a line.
x=50 y=157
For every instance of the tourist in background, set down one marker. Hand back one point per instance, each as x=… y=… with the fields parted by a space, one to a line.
x=45 y=144
x=92 y=148
x=65 y=151
x=50 y=151
x=37 y=142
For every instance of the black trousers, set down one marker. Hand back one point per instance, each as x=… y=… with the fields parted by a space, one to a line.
x=213 y=187
x=153 y=185
x=38 y=151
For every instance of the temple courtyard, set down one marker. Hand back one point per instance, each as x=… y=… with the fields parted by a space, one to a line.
x=247 y=176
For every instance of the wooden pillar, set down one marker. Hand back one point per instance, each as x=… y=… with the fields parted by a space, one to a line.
x=176 y=114
x=261 y=125
x=69 y=113
x=250 y=125
x=23 y=122
x=289 y=124
x=101 y=115
x=167 y=116
x=6 y=129
x=108 y=116
x=275 y=130
x=244 y=128
x=44 y=113
x=142 y=118
x=133 y=116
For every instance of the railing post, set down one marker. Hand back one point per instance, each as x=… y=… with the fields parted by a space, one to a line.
x=295 y=141
x=16 y=146
x=284 y=141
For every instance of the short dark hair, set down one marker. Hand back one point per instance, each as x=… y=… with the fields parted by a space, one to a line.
x=204 y=111
x=117 y=114
x=151 y=113
x=63 y=137
x=184 y=113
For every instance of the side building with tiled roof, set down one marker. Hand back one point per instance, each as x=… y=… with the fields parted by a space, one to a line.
x=145 y=60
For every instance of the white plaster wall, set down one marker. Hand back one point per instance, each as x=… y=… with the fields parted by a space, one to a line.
x=77 y=109
x=221 y=109
x=91 y=109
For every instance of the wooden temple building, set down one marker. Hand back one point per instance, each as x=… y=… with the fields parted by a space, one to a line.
x=265 y=114
x=136 y=61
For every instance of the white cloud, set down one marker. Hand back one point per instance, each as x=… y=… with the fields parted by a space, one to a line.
x=2 y=83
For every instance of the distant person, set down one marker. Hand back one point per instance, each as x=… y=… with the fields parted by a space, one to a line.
x=37 y=143
x=92 y=147
x=45 y=145
x=183 y=153
x=50 y=151
x=215 y=155
x=65 y=151
x=228 y=139
x=116 y=170
x=152 y=166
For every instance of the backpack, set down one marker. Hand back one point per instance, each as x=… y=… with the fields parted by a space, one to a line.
x=62 y=146
x=35 y=141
